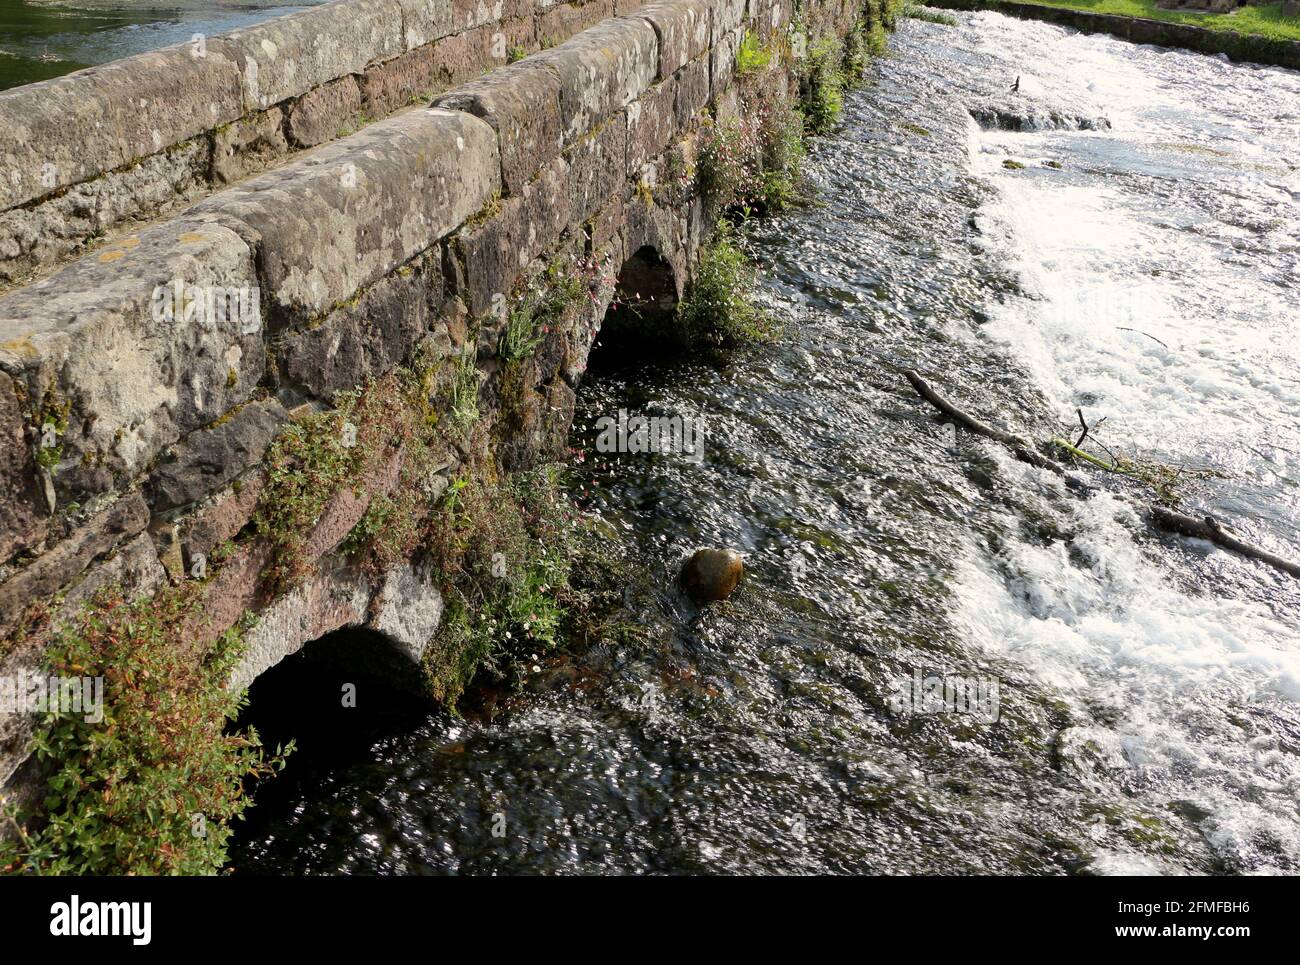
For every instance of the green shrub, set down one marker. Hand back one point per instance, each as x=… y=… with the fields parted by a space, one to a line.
x=752 y=55
x=856 y=55
x=719 y=308
x=821 y=85
x=504 y=549
x=463 y=403
x=877 y=40
x=152 y=787
x=541 y=305
x=754 y=165
x=308 y=463
x=724 y=170
x=781 y=135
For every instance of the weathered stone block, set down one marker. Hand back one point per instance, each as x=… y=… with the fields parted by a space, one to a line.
x=465 y=56
x=522 y=104
x=728 y=15
x=365 y=339
x=22 y=509
x=338 y=220
x=724 y=59
x=605 y=227
x=133 y=568
x=601 y=71
x=58 y=226
x=63 y=131
x=597 y=167
x=204 y=461
x=683 y=27
x=409 y=610
x=693 y=90
x=289 y=56
x=562 y=21
x=320 y=114
x=248 y=146
x=398 y=82
x=425 y=21
x=519 y=33
x=221 y=517
x=66 y=560
x=770 y=15
x=496 y=252
x=467 y=14
x=143 y=341
x=651 y=123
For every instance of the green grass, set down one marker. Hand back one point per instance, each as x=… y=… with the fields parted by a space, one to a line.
x=1251 y=21
x=917 y=11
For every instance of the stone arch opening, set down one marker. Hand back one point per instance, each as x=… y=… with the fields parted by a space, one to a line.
x=303 y=698
x=641 y=318
x=339 y=692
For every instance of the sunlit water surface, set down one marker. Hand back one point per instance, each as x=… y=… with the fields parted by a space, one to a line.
x=1147 y=688
x=40 y=39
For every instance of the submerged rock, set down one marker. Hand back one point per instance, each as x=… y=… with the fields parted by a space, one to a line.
x=1018 y=113
x=712 y=574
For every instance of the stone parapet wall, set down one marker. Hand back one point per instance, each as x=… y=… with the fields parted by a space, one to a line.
x=88 y=155
x=143 y=385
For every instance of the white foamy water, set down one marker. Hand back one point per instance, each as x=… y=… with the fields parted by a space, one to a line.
x=1163 y=258
x=1160 y=264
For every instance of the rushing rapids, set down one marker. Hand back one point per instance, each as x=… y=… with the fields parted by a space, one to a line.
x=1132 y=698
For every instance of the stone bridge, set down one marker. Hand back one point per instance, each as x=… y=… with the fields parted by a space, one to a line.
x=207 y=247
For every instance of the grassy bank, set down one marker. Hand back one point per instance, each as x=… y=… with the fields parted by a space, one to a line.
x=1266 y=21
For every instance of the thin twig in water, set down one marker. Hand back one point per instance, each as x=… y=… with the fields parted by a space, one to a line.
x=1140 y=332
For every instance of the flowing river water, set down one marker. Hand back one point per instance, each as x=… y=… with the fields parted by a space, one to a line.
x=40 y=39
x=1146 y=689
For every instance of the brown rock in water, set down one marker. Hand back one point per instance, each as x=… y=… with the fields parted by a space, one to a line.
x=712 y=574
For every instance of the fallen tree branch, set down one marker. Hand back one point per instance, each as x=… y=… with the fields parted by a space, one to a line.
x=1019 y=447
x=1210 y=529
x=1089 y=457
x=1168 y=519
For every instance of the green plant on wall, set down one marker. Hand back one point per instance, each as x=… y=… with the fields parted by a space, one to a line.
x=538 y=308
x=719 y=309
x=309 y=462
x=151 y=788
x=753 y=165
x=753 y=56
x=821 y=85
x=463 y=408
x=504 y=548
x=51 y=423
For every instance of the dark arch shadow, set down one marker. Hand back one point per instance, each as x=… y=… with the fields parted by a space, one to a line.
x=640 y=323
x=302 y=698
